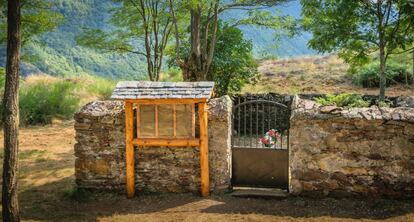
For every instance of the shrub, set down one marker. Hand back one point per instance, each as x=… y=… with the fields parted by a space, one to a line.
x=42 y=100
x=395 y=73
x=100 y=87
x=343 y=100
x=233 y=63
x=44 y=97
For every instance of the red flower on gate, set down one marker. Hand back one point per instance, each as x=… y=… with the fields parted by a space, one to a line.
x=264 y=140
x=270 y=138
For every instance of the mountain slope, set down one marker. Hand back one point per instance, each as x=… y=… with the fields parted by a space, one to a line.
x=60 y=56
x=264 y=40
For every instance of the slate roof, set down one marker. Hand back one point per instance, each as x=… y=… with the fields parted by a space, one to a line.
x=162 y=90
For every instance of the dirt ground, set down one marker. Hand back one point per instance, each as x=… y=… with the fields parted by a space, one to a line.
x=48 y=193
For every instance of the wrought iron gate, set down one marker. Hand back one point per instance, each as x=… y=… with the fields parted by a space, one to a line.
x=260 y=144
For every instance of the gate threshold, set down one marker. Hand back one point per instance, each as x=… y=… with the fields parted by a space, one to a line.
x=259 y=192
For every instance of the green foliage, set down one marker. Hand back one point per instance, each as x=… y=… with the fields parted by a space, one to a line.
x=101 y=87
x=352 y=27
x=62 y=59
x=343 y=100
x=140 y=29
x=41 y=101
x=43 y=98
x=56 y=53
x=385 y=103
x=38 y=16
x=359 y=28
x=173 y=74
x=394 y=72
x=233 y=63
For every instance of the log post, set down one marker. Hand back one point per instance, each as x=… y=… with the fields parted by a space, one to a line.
x=204 y=174
x=129 y=152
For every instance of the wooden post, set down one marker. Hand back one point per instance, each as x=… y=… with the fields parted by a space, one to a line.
x=129 y=152
x=203 y=117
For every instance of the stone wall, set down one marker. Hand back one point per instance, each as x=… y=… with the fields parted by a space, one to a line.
x=351 y=152
x=100 y=152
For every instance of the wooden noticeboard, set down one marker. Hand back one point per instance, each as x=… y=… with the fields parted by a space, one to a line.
x=165 y=122
x=164 y=116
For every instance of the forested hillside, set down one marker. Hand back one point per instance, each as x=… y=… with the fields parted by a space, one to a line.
x=59 y=55
x=264 y=40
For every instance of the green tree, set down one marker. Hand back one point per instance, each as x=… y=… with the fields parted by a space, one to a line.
x=359 y=28
x=204 y=23
x=38 y=17
x=10 y=202
x=143 y=27
x=233 y=63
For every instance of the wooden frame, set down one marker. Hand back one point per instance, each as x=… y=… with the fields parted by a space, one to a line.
x=156 y=121
x=201 y=142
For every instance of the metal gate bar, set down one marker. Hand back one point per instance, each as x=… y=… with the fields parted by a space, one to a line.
x=246 y=131
x=254 y=163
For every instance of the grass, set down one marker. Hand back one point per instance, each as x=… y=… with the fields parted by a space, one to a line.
x=25 y=154
x=313 y=74
x=44 y=99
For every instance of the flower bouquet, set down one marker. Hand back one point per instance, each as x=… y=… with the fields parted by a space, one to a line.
x=270 y=138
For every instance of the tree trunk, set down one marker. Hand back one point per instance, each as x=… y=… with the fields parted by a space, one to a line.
x=10 y=205
x=192 y=69
x=196 y=67
x=383 y=80
x=412 y=74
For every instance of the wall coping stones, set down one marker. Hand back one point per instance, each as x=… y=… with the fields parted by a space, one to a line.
x=101 y=108
x=309 y=109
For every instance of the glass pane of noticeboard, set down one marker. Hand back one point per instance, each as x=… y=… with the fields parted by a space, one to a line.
x=164 y=114
x=147 y=121
x=165 y=121
x=184 y=119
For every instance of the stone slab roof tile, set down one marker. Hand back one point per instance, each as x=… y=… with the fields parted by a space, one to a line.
x=162 y=90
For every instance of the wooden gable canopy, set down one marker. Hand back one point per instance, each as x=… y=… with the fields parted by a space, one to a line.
x=154 y=101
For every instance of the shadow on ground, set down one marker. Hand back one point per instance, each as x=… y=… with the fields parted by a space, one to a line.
x=51 y=203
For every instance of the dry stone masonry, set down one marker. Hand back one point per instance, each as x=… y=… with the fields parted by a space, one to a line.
x=100 y=152
x=333 y=151
x=351 y=152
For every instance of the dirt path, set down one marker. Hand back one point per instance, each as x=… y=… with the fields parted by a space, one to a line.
x=47 y=193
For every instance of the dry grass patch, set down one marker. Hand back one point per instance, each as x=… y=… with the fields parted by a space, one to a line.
x=313 y=74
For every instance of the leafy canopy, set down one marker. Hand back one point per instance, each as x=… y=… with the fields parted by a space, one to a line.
x=204 y=23
x=140 y=27
x=358 y=28
x=233 y=63
x=38 y=16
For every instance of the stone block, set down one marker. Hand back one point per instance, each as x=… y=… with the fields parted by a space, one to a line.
x=357 y=152
x=100 y=152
